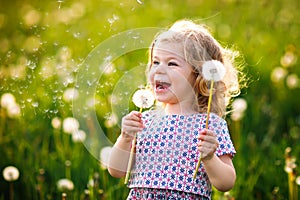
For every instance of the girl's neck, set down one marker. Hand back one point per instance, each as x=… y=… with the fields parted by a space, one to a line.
x=180 y=109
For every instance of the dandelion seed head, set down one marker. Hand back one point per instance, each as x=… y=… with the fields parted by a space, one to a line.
x=78 y=136
x=11 y=173
x=56 y=123
x=213 y=70
x=70 y=94
x=104 y=156
x=143 y=98
x=68 y=163
x=7 y=99
x=14 y=111
x=239 y=105
x=70 y=125
x=65 y=184
x=298 y=180
x=292 y=81
x=278 y=74
x=290 y=164
x=288 y=59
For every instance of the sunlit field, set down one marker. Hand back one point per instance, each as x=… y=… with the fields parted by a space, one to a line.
x=68 y=69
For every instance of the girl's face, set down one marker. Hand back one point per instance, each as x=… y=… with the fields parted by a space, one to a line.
x=171 y=77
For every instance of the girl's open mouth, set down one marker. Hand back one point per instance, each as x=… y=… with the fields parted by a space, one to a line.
x=161 y=86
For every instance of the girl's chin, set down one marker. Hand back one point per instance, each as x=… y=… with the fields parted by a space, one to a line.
x=161 y=99
x=165 y=99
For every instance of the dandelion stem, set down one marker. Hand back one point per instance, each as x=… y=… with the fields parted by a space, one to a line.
x=11 y=191
x=131 y=156
x=130 y=160
x=197 y=167
x=2 y=118
x=68 y=172
x=206 y=125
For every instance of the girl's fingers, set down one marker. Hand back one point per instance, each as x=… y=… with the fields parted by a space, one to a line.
x=208 y=143
x=206 y=135
x=132 y=123
x=133 y=116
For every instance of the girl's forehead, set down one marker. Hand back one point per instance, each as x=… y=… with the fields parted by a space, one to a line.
x=166 y=47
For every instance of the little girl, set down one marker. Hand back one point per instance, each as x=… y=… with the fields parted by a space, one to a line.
x=171 y=139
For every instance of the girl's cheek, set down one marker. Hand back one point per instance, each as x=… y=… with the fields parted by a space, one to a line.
x=151 y=76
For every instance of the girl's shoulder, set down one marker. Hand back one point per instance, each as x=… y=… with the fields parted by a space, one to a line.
x=215 y=117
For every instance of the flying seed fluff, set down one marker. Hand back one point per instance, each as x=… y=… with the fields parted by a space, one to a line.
x=200 y=46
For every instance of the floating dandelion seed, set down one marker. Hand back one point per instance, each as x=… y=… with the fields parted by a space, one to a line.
x=142 y=98
x=212 y=71
x=139 y=1
x=59 y=3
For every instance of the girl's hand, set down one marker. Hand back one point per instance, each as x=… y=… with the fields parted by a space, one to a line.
x=131 y=124
x=207 y=144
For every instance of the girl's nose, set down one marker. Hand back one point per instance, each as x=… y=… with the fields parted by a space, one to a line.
x=160 y=69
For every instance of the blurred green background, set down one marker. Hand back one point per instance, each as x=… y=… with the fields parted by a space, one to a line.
x=44 y=43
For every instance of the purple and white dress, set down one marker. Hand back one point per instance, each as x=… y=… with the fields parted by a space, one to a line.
x=167 y=155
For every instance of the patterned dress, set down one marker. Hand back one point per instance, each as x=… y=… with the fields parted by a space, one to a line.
x=167 y=155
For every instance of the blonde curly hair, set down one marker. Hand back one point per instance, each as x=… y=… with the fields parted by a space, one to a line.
x=200 y=46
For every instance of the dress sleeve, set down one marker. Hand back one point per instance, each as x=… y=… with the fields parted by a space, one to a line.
x=219 y=126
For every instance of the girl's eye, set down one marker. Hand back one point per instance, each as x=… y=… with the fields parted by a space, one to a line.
x=155 y=63
x=172 y=64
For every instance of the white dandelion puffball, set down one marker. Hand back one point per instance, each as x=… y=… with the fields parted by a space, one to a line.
x=104 y=156
x=298 y=180
x=70 y=125
x=70 y=94
x=11 y=173
x=65 y=184
x=239 y=106
x=56 y=122
x=14 y=111
x=213 y=70
x=78 y=136
x=143 y=98
x=7 y=100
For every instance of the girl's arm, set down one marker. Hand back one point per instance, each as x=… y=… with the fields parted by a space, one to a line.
x=131 y=124
x=220 y=170
x=119 y=156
